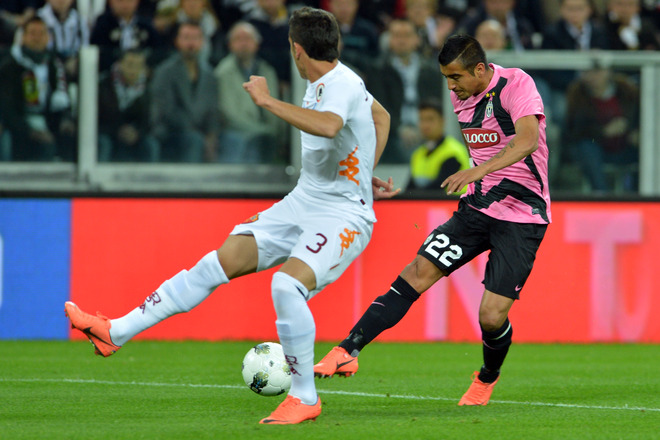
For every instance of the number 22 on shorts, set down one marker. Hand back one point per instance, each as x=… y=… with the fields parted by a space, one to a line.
x=449 y=251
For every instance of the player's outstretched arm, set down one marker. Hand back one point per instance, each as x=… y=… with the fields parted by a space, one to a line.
x=524 y=143
x=326 y=124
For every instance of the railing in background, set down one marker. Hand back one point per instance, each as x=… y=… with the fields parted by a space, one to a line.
x=88 y=176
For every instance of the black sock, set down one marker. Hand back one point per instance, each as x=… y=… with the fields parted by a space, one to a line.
x=495 y=347
x=382 y=314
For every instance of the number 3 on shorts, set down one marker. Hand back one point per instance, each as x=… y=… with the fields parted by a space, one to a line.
x=440 y=242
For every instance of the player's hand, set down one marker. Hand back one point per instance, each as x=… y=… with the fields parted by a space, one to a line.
x=257 y=87
x=383 y=190
x=457 y=181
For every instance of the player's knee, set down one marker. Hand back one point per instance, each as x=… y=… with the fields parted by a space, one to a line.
x=286 y=290
x=491 y=320
x=421 y=274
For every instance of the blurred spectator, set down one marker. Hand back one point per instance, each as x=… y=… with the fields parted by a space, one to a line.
x=249 y=134
x=359 y=37
x=576 y=30
x=120 y=29
x=13 y=14
x=68 y=32
x=230 y=12
x=90 y=10
x=271 y=18
x=433 y=28
x=172 y=12
x=439 y=156
x=627 y=29
x=399 y=81
x=185 y=101
x=147 y=8
x=534 y=12
x=602 y=124
x=377 y=12
x=519 y=30
x=34 y=100
x=16 y=13
x=491 y=35
x=124 y=109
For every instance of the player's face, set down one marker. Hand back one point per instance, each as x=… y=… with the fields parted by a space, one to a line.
x=463 y=83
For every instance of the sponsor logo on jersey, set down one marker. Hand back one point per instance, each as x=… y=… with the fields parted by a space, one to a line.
x=347 y=238
x=351 y=162
x=480 y=137
x=319 y=92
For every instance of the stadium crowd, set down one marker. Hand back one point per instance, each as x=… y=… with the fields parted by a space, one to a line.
x=171 y=72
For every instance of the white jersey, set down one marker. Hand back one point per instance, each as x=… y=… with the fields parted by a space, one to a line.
x=340 y=169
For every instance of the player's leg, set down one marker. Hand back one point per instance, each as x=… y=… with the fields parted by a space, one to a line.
x=496 y=333
x=184 y=291
x=383 y=313
x=296 y=331
x=388 y=309
x=331 y=240
x=446 y=249
x=509 y=265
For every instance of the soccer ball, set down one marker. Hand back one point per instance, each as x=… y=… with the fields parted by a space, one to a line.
x=265 y=370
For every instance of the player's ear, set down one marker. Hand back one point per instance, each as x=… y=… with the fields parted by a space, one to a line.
x=479 y=70
x=297 y=50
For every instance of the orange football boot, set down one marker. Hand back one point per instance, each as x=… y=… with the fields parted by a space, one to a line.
x=292 y=411
x=96 y=328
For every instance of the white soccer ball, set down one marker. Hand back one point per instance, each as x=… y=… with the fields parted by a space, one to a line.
x=265 y=370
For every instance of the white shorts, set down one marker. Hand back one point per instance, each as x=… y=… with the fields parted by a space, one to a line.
x=323 y=235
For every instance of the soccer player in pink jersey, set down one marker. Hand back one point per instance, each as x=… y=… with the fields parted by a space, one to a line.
x=505 y=210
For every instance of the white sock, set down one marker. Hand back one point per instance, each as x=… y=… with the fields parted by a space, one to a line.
x=180 y=293
x=296 y=330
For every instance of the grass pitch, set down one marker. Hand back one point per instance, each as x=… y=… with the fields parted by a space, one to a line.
x=194 y=390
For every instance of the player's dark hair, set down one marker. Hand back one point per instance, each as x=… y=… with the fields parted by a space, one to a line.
x=317 y=32
x=464 y=49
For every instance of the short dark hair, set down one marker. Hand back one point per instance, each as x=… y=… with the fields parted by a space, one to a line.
x=464 y=49
x=192 y=23
x=317 y=32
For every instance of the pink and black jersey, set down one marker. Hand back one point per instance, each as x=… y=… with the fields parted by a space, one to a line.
x=517 y=193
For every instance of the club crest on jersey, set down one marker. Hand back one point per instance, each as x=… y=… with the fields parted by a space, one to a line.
x=480 y=137
x=319 y=92
x=489 y=108
x=252 y=219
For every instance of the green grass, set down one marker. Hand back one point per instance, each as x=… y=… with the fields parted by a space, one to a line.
x=194 y=390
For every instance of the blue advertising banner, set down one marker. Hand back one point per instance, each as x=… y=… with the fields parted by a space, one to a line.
x=35 y=267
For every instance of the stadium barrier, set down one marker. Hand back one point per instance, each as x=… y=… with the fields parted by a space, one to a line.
x=594 y=279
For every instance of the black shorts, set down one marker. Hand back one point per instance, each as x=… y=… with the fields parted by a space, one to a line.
x=469 y=232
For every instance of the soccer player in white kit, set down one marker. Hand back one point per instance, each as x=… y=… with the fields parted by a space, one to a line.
x=315 y=232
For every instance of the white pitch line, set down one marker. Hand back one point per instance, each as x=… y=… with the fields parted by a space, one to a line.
x=344 y=393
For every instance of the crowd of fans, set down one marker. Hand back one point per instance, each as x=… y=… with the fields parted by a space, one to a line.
x=171 y=70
